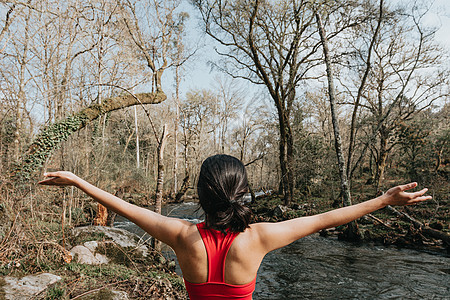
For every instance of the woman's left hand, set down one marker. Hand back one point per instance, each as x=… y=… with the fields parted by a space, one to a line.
x=398 y=195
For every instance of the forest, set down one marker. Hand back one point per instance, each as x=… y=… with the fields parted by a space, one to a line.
x=327 y=103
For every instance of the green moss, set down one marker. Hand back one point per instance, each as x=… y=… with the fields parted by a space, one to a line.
x=48 y=140
x=56 y=292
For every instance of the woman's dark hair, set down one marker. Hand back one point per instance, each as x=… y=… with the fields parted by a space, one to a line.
x=222 y=183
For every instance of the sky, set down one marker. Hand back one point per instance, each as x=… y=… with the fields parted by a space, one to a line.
x=439 y=16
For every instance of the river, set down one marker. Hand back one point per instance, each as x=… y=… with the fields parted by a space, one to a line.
x=325 y=268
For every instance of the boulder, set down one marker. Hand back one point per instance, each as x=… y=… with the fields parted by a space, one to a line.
x=119 y=295
x=27 y=287
x=86 y=254
x=121 y=237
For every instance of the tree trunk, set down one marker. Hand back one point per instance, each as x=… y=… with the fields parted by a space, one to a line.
x=50 y=137
x=137 y=138
x=112 y=215
x=381 y=162
x=359 y=95
x=352 y=232
x=102 y=216
x=22 y=59
x=160 y=179
x=439 y=158
x=175 y=135
x=252 y=193
x=183 y=189
x=286 y=152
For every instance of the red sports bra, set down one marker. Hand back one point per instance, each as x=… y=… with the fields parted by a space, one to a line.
x=217 y=245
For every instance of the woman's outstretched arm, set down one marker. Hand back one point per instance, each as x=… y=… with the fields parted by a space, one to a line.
x=165 y=229
x=276 y=235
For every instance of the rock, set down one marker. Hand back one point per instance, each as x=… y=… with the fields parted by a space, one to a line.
x=280 y=210
x=85 y=255
x=29 y=286
x=120 y=236
x=91 y=245
x=119 y=295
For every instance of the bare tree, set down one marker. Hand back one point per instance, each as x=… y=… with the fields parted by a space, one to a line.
x=362 y=84
x=403 y=78
x=149 y=25
x=251 y=124
x=10 y=15
x=18 y=78
x=352 y=232
x=160 y=180
x=229 y=101
x=180 y=55
x=197 y=125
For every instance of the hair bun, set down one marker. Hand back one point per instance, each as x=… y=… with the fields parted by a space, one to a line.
x=221 y=186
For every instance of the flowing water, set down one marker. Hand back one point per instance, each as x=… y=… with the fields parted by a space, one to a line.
x=324 y=268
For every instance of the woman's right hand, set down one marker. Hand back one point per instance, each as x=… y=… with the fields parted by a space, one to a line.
x=398 y=196
x=60 y=178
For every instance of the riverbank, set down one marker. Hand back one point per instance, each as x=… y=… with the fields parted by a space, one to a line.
x=91 y=262
x=383 y=227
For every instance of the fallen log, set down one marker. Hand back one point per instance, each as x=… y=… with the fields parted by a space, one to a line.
x=50 y=137
x=379 y=221
x=426 y=230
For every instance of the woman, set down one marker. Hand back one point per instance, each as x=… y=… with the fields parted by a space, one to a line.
x=219 y=258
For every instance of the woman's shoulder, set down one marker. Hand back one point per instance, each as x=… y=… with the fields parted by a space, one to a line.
x=253 y=231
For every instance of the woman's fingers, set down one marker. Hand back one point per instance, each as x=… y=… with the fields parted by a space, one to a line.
x=49 y=181
x=51 y=174
x=56 y=178
x=419 y=193
x=408 y=186
x=419 y=199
